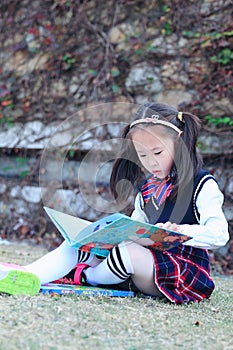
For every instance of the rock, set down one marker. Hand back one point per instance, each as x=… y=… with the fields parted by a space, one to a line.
x=218 y=107
x=13 y=41
x=32 y=43
x=32 y=132
x=15 y=192
x=3 y=211
x=196 y=67
x=20 y=63
x=145 y=77
x=62 y=200
x=74 y=85
x=212 y=6
x=16 y=62
x=141 y=99
x=229 y=188
x=173 y=81
x=227 y=209
x=174 y=98
x=166 y=45
x=116 y=36
x=17 y=113
x=61 y=139
x=36 y=63
x=79 y=206
x=115 y=129
x=31 y=194
x=3 y=188
x=21 y=207
x=120 y=34
x=153 y=31
x=33 y=128
x=121 y=112
x=173 y=75
x=183 y=43
x=59 y=88
x=100 y=132
x=213 y=144
x=11 y=137
x=30 y=135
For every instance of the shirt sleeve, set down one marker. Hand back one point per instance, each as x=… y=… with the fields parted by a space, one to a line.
x=212 y=230
x=138 y=212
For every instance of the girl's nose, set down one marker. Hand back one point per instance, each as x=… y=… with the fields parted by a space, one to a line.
x=152 y=161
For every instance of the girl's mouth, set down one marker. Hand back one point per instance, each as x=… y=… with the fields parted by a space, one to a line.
x=156 y=172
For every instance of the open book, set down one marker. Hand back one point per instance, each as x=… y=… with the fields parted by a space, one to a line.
x=101 y=236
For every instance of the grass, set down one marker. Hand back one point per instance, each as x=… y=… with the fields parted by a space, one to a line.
x=44 y=322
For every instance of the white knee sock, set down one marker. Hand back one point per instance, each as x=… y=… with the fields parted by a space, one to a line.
x=116 y=268
x=58 y=263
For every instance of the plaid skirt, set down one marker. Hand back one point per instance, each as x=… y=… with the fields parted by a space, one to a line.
x=182 y=274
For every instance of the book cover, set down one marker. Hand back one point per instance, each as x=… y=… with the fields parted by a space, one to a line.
x=62 y=289
x=102 y=235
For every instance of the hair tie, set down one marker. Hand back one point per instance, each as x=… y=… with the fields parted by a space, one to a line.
x=180 y=116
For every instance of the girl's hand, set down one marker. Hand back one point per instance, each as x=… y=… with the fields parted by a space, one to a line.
x=170 y=226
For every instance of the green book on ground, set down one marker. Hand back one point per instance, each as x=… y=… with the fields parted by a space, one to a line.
x=62 y=289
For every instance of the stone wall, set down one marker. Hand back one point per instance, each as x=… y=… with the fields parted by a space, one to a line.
x=48 y=175
x=71 y=75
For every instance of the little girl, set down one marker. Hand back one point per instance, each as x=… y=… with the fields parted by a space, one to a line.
x=176 y=194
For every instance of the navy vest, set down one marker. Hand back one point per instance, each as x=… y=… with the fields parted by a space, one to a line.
x=183 y=210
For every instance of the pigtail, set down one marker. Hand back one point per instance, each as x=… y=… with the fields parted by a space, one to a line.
x=125 y=171
x=187 y=160
x=190 y=131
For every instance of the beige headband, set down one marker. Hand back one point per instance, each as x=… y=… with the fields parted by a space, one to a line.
x=155 y=120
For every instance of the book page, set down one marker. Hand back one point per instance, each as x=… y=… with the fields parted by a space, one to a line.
x=102 y=235
x=118 y=228
x=69 y=226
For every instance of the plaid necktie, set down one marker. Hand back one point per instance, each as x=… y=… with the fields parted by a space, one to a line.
x=160 y=189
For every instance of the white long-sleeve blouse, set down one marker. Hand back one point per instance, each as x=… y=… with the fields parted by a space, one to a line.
x=212 y=230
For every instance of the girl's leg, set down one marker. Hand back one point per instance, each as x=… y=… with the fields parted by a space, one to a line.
x=143 y=262
x=129 y=259
x=27 y=279
x=59 y=262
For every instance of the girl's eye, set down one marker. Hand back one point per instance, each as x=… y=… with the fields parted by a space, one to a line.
x=144 y=155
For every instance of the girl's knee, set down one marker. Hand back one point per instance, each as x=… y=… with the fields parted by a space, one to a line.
x=136 y=251
x=133 y=247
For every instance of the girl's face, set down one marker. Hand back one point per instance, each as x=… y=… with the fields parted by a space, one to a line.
x=155 y=150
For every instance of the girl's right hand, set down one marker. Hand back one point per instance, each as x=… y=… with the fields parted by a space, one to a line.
x=170 y=226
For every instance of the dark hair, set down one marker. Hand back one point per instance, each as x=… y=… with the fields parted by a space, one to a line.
x=187 y=161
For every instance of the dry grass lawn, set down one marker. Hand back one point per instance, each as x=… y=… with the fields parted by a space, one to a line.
x=69 y=322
